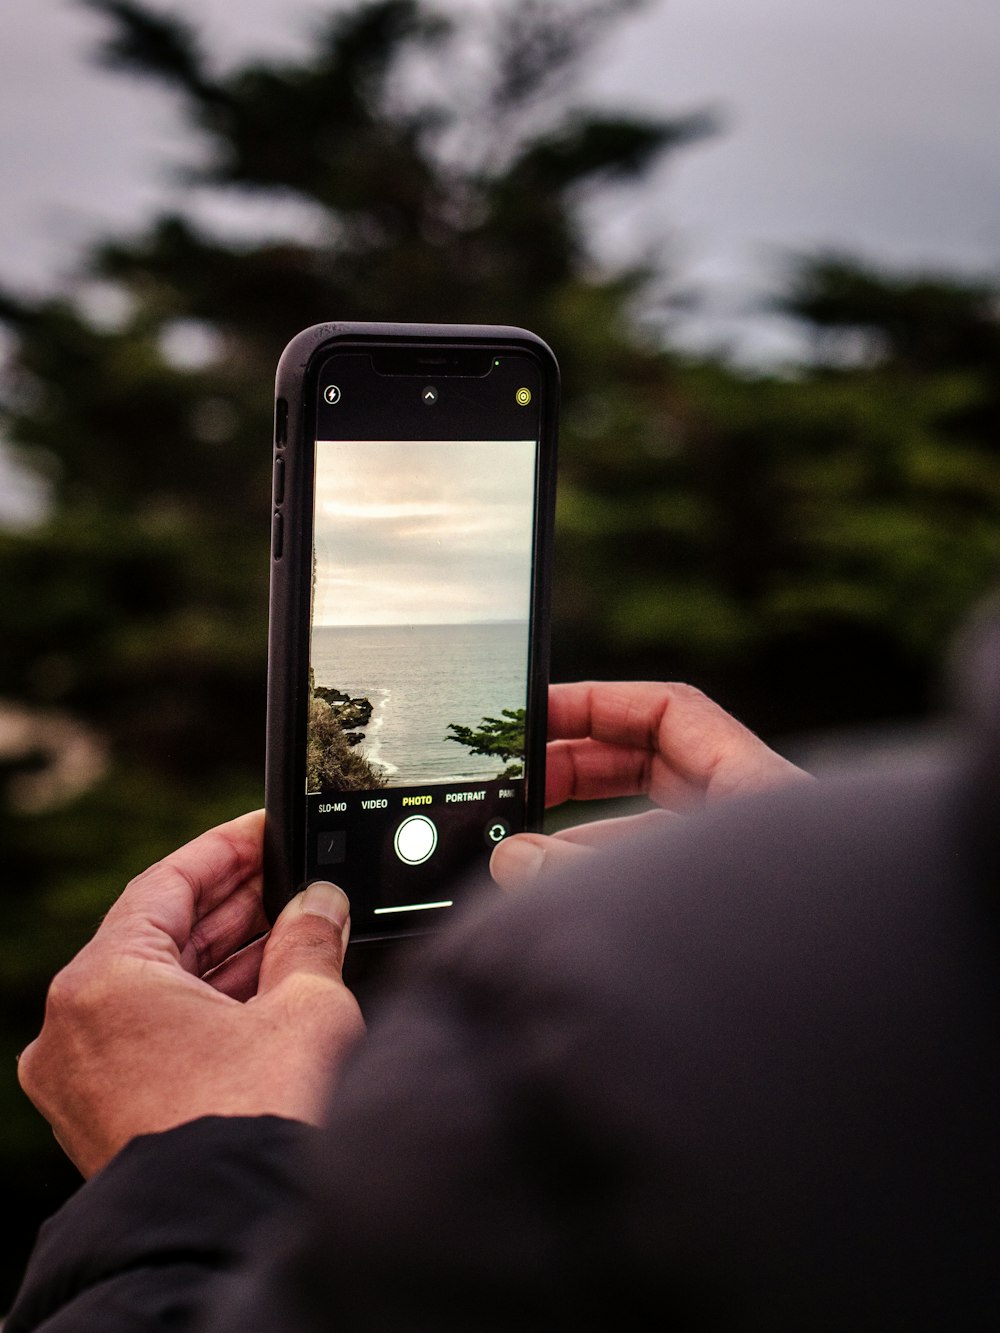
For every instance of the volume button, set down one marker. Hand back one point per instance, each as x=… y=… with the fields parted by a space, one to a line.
x=279 y=481
x=277 y=537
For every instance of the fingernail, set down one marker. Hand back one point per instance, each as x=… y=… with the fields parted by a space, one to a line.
x=519 y=859
x=322 y=898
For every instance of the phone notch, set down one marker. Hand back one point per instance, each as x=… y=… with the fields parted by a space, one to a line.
x=467 y=362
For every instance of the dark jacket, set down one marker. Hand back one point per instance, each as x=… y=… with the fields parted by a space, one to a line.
x=739 y=1075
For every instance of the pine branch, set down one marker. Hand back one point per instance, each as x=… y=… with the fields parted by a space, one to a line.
x=147 y=43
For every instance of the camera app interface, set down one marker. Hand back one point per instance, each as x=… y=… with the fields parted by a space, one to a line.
x=419 y=665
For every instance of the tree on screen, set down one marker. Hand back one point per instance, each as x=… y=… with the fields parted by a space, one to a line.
x=501 y=736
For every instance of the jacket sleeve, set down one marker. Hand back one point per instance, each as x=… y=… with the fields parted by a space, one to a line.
x=137 y=1245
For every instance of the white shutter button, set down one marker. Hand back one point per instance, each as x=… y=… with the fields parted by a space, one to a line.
x=415 y=840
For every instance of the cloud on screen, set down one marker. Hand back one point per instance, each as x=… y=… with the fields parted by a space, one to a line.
x=423 y=532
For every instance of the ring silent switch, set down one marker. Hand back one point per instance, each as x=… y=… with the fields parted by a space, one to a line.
x=415 y=840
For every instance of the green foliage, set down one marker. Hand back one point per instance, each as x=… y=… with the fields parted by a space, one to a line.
x=147 y=582
x=923 y=323
x=332 y=763
x=803 y=546
x=501 y=736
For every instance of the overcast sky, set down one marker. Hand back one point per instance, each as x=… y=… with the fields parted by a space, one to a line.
x=423 y=533
x=865 y=124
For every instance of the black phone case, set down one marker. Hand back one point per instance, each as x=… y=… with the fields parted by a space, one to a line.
x=290 y=579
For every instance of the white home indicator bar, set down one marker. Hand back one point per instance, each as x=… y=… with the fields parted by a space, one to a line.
x=414 y=907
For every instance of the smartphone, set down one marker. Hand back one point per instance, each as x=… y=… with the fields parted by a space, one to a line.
x=408 y=652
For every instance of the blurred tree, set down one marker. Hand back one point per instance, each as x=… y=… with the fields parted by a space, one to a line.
x=434 y=166
x=801 y=545
x=149 y=576
x=918 y=324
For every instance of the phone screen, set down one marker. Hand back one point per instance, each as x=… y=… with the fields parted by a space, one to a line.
x=421 y=633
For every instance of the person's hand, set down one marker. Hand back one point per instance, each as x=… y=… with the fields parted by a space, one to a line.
x=162 y=1017
x=668 y=742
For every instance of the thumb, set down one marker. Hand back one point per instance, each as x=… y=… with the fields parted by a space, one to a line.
x=517 y=862
x=309 y=936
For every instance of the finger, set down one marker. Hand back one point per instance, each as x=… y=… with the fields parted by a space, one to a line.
x=632 y=714
x=588 y=770
x=601 y=832
x=604 y=709
x=226 y=928
x=309 y=936
x=669 y=740
x=608 y=739
x=519 y=861
x=237 y=975
x=160 y=911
